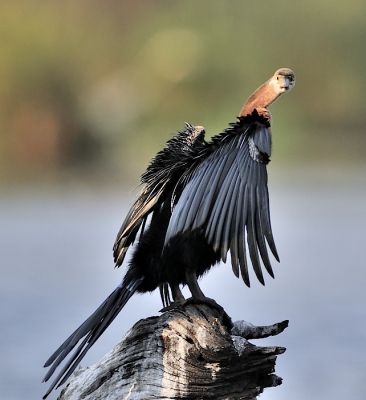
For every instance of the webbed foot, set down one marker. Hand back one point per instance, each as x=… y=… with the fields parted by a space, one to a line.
x=222 y=314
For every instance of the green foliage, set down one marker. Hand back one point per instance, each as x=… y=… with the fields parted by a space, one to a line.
x=105 y=84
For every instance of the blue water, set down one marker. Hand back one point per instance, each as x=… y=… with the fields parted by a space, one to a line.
x=56 y=267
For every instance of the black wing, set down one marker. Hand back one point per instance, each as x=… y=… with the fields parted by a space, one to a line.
x=159 y=179
x=227 y=199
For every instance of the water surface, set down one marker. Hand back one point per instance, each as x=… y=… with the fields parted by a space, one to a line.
x=56 y=268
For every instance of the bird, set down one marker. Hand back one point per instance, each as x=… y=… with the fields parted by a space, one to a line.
x=200 y=200
x=158 y=180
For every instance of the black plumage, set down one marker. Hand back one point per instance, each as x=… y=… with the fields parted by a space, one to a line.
x=203 y=200
x=199 y=201
x=224 y=201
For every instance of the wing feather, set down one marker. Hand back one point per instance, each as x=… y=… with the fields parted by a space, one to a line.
x=266 y=221
x=242 y=248
x=208 y=197
x=251 y=230
x=234 y=231
x=260 y=238
x=228 y=220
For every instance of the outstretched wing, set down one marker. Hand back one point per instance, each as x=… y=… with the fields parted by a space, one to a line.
x=227 y=200
x=159 y=179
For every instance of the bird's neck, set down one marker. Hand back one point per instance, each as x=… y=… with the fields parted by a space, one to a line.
x=263 y=97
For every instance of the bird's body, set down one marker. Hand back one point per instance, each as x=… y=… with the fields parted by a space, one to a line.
x=200 y=200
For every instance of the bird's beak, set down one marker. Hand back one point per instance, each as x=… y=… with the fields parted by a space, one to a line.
x=286 y=82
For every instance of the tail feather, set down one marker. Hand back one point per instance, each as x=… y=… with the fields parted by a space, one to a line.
x=91 y=329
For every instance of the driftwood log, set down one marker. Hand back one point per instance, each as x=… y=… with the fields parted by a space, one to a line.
x=183 y=354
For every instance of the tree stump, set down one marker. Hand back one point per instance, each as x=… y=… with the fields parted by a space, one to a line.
x=183 y=354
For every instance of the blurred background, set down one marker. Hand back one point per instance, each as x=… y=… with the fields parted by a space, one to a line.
x=91 y=90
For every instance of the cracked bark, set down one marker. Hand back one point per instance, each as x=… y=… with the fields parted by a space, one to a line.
x=183 y=354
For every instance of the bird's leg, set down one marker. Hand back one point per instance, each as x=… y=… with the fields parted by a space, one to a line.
x=177 y=294
x=191 y=280
x=199 y=297
x=197 y=294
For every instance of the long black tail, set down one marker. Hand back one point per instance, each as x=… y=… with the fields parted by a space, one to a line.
x=90 y=330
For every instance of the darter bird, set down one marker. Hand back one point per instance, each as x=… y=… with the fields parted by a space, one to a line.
x=200 y=199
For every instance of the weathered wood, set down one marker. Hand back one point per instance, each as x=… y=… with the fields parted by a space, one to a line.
x=183 y=354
